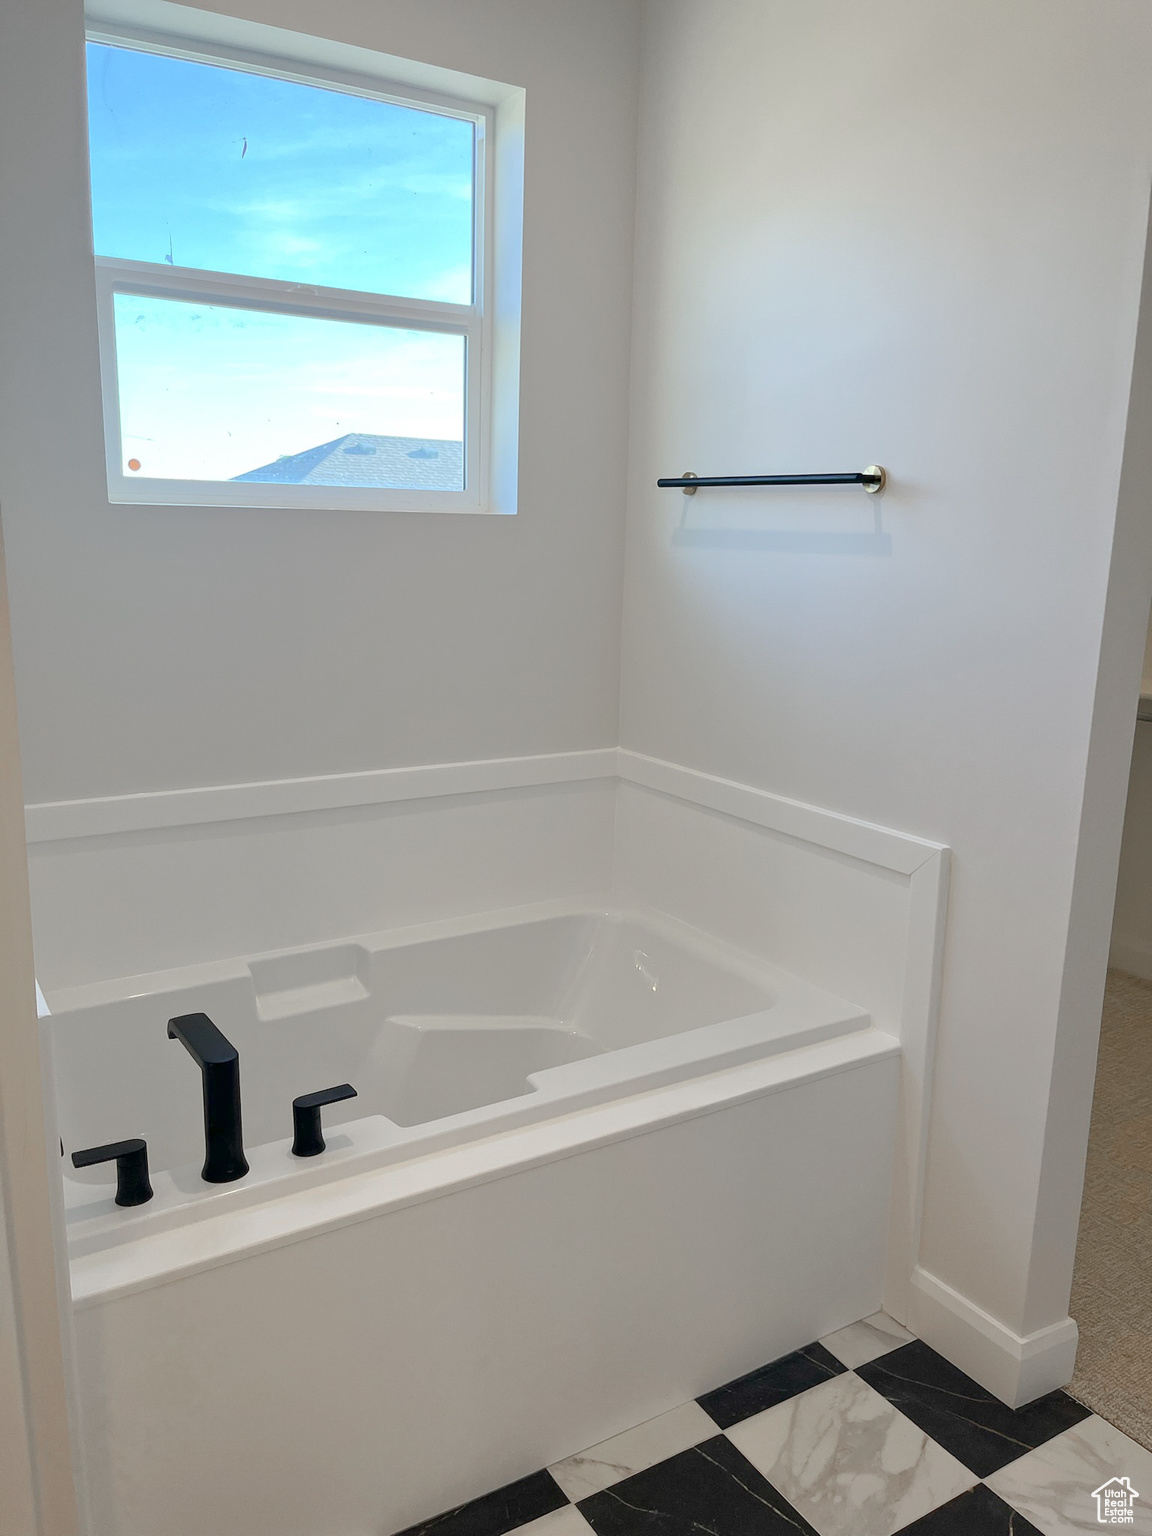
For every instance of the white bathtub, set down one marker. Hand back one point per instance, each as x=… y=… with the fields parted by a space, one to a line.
x=569 y=1194
x=447 y=1032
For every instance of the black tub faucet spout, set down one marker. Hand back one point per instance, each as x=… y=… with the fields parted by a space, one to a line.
x=219 y=1063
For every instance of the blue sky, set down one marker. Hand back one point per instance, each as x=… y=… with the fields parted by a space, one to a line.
x=228 y=171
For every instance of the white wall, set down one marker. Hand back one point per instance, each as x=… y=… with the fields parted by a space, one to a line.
x=905 y=232
x=167 y=647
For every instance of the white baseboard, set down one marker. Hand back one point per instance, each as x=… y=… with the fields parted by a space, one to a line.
x=1016 y=1368
x=1132 y=955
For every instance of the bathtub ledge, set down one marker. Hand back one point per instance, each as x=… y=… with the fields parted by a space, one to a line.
x=163 y=1257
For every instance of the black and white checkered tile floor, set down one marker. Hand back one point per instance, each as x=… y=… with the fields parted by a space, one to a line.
x=865 y=1433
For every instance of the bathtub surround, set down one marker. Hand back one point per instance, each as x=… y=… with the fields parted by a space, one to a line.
x=855 y=905
x=855 y=908
x=569 y=824
x=159 y=899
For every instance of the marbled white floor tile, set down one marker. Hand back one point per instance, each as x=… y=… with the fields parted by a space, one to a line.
x=979 y=1512
x=867 y=1340
x=773 y=1383
x=1053 y=1485
x=960 y=1415
x=710 y=1489
x=633 y=1451
x=495 y=1514
x=849 y=1461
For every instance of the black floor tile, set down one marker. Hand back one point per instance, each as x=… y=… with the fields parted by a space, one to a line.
x=771 y=1384
x=710 y=1488
x=499 y=1512
x=976 y=1513
x=959 y=1415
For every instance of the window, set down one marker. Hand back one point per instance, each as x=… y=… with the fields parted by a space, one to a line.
x=290 y=283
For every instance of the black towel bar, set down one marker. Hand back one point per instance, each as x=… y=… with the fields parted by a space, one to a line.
x=874 y=478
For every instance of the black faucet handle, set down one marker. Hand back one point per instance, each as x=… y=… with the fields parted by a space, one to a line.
x=308 y=1138
x=132 y=1186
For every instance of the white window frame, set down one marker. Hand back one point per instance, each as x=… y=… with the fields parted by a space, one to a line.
x=471 y=321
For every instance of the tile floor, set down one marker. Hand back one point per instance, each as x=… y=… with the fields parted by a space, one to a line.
x=864 y=1433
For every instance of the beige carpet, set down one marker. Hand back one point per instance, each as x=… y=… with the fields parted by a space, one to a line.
x=1112 y=1286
